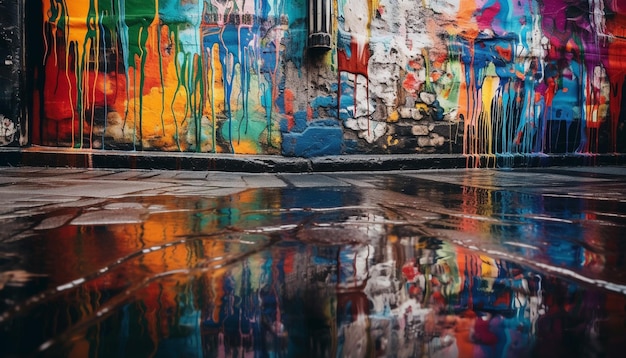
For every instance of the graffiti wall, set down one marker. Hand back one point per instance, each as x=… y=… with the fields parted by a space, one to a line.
x=235 y=76
x=11 y=121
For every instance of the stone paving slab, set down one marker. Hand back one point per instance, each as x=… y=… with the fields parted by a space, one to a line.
x=225 y=183
x=38 y=183
x=192 y=175
x=87 y=175
x=264 y=181
x=124 y=174
x=312 y=180
x=191 y=183
x=105 y=189
x=60 y=186
x=157 y=174
x=20 y=169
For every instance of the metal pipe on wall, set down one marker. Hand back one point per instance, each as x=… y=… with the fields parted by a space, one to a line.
x=320 y=24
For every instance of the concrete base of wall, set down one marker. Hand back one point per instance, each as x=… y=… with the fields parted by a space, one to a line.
x=86 y=158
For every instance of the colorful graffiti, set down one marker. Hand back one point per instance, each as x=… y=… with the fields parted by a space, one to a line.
x=167 y=75
x=448 y=76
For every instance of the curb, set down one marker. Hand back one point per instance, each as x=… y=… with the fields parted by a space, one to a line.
x=87 y=158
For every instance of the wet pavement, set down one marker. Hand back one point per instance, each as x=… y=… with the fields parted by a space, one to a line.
x=467 y=263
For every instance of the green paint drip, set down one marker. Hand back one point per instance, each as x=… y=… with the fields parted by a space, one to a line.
x=138 y=16
x=213 y=117
x=200 y=108
x=80 y=69
x=183 y=82
x=174 y=32
x=106 y=71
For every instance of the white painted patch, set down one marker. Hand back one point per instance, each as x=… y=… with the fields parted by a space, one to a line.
x=448 y=7
x=356 y=20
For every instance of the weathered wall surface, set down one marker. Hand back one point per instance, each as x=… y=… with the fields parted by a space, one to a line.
x=432 y=76
x=11 y=120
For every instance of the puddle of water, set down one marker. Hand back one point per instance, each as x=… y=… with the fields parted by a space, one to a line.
x=421 y=270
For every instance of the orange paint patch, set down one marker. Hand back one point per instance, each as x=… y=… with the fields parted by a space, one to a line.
x=505 y=53
x=465 y=19
x=289 y=111
x=246 y=147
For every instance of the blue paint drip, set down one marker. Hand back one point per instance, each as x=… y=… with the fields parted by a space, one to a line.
x=233 y=51
x=324 y=101
x=508 y=101
x=296 y=37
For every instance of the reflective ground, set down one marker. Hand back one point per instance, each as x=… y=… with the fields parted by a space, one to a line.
x=467 y=263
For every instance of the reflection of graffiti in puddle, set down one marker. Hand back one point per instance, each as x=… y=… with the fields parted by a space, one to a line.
x=294 y=272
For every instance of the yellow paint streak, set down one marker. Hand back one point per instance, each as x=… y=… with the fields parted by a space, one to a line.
x=216 y=88
x=489 y=88
x=157 y=100
x=78 y=12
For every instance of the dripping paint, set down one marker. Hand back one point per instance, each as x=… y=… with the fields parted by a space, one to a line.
x=473 y=77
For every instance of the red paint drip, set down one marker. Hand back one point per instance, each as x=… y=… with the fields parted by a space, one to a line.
x=616 y=68
x=357 y=63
